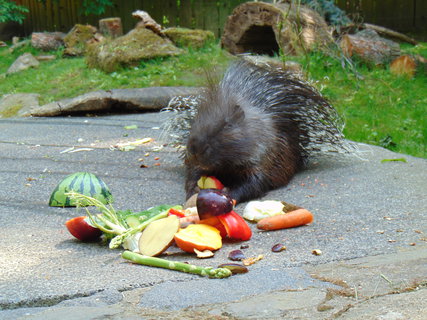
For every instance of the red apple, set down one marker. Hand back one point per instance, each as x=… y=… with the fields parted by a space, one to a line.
x=81 y=230
x=209 y=182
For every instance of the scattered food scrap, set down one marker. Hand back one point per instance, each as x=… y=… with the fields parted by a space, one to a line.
x=279 y=247
x=131 y=127
x=203 y=254
x=236 y=255
x=317 y=252
x=252 y=260
x=131 y=145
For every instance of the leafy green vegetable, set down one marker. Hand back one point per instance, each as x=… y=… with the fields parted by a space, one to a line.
x=115 y=224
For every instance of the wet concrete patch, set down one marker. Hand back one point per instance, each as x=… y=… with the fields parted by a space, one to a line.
x=168 y=295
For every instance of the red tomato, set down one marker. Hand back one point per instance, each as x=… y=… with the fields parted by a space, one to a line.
x=80 y=229
x=236 y=226
x=176 y=212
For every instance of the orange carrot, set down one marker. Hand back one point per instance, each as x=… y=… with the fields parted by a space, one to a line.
x=291 y=219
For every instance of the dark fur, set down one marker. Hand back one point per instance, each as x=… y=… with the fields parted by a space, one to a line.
x=253 y=130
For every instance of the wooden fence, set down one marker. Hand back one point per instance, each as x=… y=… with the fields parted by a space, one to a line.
x=63 y=14
x=401 y=15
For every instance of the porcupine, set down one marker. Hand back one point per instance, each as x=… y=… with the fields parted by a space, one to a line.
x=256 y=129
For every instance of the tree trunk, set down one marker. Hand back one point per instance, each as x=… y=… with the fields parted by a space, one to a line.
x=111 y=27
x=368 y=46
x=408 y=65
x=265 y=28
x=47 y=41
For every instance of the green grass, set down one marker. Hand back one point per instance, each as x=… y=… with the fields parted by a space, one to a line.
x=69 y=77
x=379 y=108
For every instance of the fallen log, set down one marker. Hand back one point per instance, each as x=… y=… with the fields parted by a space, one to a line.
x=265 y=28
x=369 y=47
x=408 y=65
x=390 y=33
x=47 y=41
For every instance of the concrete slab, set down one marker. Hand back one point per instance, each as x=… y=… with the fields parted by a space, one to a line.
x=362 y=209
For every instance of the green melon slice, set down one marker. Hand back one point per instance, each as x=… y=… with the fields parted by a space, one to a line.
x=82 y=182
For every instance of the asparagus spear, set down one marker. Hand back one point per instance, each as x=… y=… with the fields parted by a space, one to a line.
x=178 y=266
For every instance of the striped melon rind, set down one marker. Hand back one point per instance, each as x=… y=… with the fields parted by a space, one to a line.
x=82 y=182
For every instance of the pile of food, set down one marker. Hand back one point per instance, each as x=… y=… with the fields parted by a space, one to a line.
x=197 y=228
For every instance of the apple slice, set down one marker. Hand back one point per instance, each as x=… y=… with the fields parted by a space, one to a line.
x=158 y=236
x=82 y=230
x=209 y=182
x=198 y=236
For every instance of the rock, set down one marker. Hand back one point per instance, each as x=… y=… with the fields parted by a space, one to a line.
x=16 y=104
x=138 y=44
x=115 y=100
x=47 y=41
x=45 y=57
x=19 y=44
x=23 y=62
x=184 y=37
x=76 y=40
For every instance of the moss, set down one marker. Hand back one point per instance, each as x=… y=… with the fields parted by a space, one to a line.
x=10 y=111
x=137 y=45
x=195 y=38
x=75 y=40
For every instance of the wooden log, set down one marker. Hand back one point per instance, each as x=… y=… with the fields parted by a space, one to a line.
x=264 y=28
x=111 y=27
x=384 y=32
x=47 y=41
x=146 y=21
x=390 y=33
x=369 y=47
x=408 y=65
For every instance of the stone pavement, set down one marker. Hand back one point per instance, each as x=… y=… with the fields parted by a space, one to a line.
x=370 y=224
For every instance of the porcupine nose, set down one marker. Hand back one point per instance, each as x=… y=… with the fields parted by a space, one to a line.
x=198 y=151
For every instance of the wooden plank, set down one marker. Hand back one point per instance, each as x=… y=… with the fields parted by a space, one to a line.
x=400 y=15
x=198 y=12
x=210 y=15
x=405 y=14
x=64 y=13
x=184 y=14
x=420 y=15
x=26 y=25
